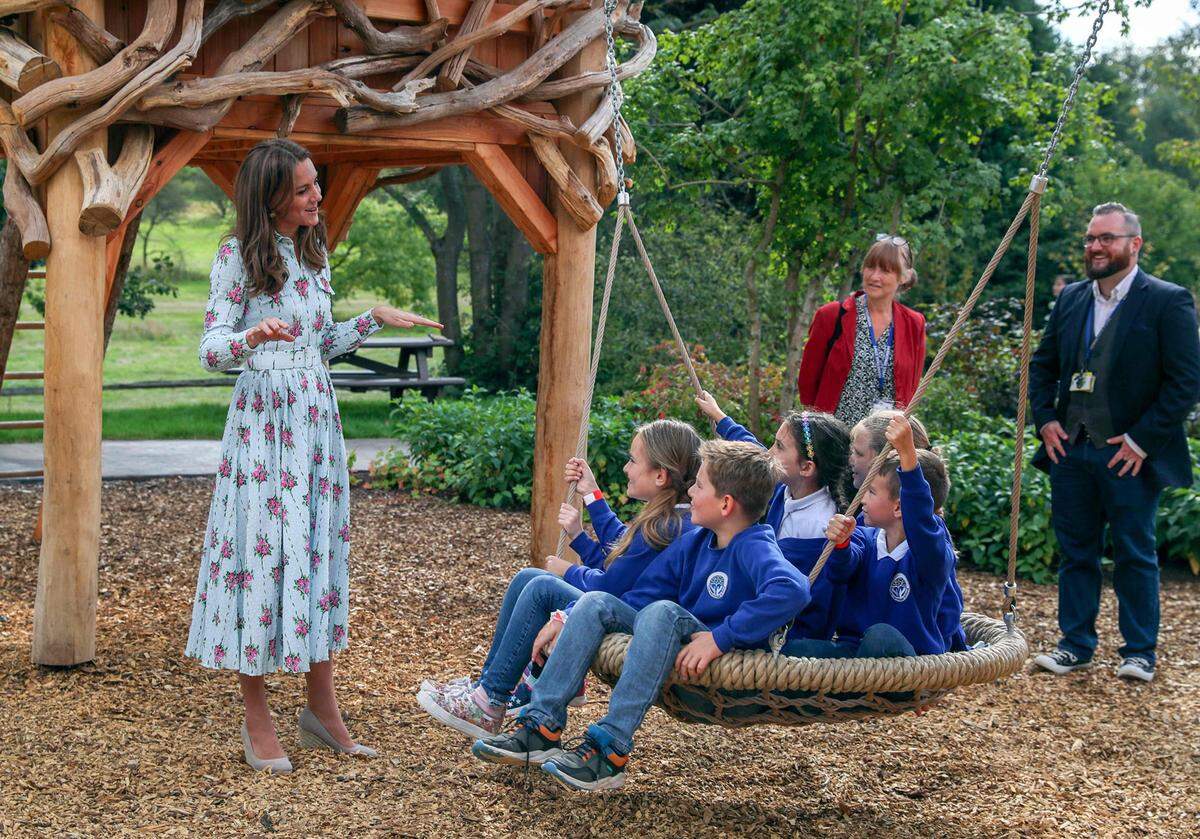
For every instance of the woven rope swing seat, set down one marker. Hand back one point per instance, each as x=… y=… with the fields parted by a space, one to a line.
x=755 y=687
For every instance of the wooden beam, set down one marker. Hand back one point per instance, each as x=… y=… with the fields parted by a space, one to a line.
x=14 y=274
x=64 y=613
x=567 y=287
x=346 y=186
x=108 y=190
x=22 y=67
x=417 y=11
x=221 y=173
x=514 y=195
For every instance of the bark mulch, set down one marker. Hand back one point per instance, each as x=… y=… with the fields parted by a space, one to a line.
x=142 y=740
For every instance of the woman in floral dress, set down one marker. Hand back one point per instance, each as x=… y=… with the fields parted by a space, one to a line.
x=274 y=574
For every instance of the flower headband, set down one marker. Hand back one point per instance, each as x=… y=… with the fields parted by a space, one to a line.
x=808 y=444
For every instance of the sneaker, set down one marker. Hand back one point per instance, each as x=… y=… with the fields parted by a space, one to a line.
x=462 y=712
x=1136 y=667
x=523 y=695
x=588 y=767
x=1060 y=662
x=462 y=684
x=529 y=742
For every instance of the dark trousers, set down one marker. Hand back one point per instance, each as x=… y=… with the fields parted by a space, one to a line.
x=1085 y=497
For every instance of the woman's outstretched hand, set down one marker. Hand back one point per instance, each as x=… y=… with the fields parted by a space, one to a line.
x=269 y=329
x=391 y=316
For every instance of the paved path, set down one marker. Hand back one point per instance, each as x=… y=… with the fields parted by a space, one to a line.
x=163 y=458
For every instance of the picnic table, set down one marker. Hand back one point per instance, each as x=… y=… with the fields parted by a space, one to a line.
x=411 y=370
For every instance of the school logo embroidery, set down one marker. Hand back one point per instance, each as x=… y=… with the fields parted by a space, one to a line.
x=718 y=583
x=899 y=588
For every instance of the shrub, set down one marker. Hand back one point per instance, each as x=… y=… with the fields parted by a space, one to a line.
x=479 y=449
x=982 y=369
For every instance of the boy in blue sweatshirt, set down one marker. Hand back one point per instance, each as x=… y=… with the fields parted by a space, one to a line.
x=906 y=560
x=722 y=586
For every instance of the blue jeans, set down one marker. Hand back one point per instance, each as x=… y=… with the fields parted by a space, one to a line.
x=881 y=640
x=659 y=630
x=1085 y=496
x=532 y=595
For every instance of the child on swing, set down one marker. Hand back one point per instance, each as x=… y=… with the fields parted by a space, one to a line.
x=867 y=440
x=812 y=448
x=721 y=586
x=904 y=558
x=663 y=461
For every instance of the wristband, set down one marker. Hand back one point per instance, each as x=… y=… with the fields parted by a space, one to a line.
x=590 y=497
x=843 y=546
x=558 y=615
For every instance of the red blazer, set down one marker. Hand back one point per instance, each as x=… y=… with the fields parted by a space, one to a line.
x=824 y=368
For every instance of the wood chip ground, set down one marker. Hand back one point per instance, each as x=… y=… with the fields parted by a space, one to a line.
x=143 y=741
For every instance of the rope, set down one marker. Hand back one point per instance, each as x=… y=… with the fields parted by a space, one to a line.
x=585 y=419
x=1010 y=585
x=935 y=366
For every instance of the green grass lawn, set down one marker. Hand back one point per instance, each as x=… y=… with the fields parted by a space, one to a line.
x=164 y=346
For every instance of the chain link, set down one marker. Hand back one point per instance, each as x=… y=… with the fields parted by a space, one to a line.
x=616 y=97
x=1069 y=102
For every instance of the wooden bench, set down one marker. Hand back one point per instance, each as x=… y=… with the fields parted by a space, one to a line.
x=411 y=370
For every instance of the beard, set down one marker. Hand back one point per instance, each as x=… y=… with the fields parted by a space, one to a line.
x=1117 y=263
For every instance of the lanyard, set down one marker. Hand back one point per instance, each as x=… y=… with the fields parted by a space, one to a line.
x=880 y=360
x=1090 y=324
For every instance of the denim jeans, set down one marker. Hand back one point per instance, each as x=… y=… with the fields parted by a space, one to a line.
x=881 y=640
x=531 y=597
x=1085 y=496
x=659 y=630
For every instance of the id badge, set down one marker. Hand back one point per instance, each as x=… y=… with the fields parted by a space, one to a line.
x=1083 y=382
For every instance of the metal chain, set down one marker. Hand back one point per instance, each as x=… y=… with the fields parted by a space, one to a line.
x=616 y=97
x=1069 y=102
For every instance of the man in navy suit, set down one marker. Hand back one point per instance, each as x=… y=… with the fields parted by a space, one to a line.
x=1112 y=381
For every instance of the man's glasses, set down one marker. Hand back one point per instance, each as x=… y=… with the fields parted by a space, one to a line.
x=1106 y=239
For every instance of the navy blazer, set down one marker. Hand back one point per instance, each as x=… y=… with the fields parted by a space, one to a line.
x=1155 y=378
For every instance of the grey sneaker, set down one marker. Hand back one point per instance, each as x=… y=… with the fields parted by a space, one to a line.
x=1061 y=662
x=460 y=711
x=1136 y=667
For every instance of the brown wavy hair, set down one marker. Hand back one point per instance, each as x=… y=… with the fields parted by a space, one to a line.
x=894 y=255
x=263 y=188
x=675 y=447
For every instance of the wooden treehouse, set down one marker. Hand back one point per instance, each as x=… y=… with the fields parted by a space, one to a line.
x=106 y=100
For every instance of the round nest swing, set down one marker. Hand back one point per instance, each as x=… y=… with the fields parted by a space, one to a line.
x=755 y=687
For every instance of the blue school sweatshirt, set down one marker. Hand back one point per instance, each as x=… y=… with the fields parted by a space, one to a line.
x=906 y=593
x=820 y=617
x=591 y=575
x=742 y=592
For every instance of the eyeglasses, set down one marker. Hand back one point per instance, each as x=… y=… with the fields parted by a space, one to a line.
x=1106 y=239
x=898 y=241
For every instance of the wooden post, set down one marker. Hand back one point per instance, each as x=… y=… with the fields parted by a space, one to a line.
x=567 y=281
x=64 y=618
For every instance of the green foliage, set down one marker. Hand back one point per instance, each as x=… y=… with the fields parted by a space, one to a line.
x=479 y=449
x=385 y=254
x=142 y=285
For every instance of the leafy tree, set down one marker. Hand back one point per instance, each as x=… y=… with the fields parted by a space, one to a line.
x=168 y=205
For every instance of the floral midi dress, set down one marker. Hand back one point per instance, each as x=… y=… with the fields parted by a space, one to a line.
x=274 y=572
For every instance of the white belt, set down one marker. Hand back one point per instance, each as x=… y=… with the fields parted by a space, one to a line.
x=305 y=357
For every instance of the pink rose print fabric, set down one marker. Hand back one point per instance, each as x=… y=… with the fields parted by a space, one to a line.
x=273 y=588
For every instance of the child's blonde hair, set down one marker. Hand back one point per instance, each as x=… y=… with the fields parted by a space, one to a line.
x=875 y=427
x=674 y=447
x=743 y=470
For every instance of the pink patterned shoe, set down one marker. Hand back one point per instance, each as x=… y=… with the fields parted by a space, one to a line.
x=461 y=711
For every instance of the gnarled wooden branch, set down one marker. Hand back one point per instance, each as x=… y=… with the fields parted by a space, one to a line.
x=361 y=66
x=292 y=103
x=15 y=7
x=475 y=19
x=517 y=82
x=94 y=85
x=201 y=92
x=67 y=140
x=408 y=176
x=23 y=207
x=228 y=10
x=400 y=39
x=637 y=64
x=606 y=172
x=21 y=66
x=280 y=28
x=576 y=198
x=108 y=190
x=96 y=41
x=459 y=48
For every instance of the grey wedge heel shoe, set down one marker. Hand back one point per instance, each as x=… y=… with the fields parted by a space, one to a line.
x=314 y=736
x=277 y=765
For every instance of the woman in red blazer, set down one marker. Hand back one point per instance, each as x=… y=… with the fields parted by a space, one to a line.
x=866 y=352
